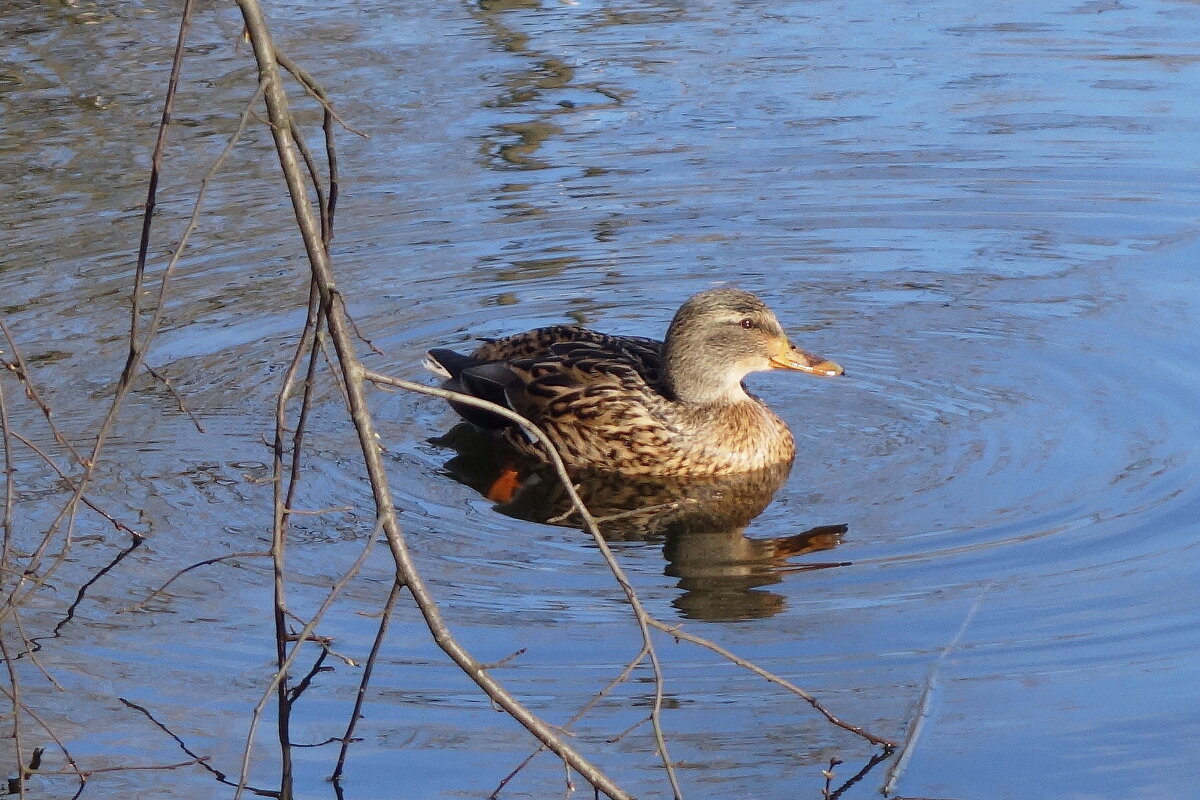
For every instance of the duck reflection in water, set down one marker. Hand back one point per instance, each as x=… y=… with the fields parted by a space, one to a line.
x=662 y=437
x=701 y=521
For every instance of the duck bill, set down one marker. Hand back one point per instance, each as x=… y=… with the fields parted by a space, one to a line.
x=794 y=358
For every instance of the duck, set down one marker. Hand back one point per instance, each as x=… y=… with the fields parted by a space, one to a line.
x=633 y=405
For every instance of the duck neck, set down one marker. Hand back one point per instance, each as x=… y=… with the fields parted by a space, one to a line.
x=692 y=382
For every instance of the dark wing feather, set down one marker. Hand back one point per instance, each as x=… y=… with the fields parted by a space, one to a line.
x=468 y=375
x=571 y=382
x=645 y=355
x=572 y=377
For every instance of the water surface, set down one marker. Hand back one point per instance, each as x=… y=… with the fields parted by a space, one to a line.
x=988 y=215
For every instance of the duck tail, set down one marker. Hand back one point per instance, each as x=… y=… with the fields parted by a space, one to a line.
x=446 y=363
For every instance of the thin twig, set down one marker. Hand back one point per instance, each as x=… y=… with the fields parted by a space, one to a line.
x=25 y=375
x=31 y=650
x=678 y=633
x=281 y=674
x=314 y=88
x=15 y=694
x=136 y=355
x=19 y=707
x=364 y=681
x=670 y=505
x=508 y=659
x=338 y=378
x=10 y=469
x=138 y=537
x=358 y=332
x=908 y=747
x=617 y=738
x=206 y=562
x=183 y=409
x=641 y=617
x=160 y=144
x=353 y=372
x=828 y=773
x=328 y=209
x=318 y=189
x=578 y=715
x=874 y=761
x=283 y=500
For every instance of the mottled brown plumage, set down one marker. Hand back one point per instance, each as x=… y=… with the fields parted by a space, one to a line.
x=636 y=406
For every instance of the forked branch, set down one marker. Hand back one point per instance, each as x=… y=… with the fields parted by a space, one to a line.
x=353 y=374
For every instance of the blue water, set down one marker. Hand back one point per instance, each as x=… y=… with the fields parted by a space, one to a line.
x=987 y=215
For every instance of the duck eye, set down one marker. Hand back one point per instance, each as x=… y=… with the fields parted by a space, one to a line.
x=747 y=323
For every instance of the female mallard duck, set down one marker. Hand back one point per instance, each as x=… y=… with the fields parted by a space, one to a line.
x=636 y=406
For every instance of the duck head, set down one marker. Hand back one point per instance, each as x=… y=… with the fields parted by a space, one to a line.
x=718 y=337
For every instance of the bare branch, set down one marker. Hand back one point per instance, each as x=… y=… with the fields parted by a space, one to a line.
x=368 y=669
x=6 y=521
x=120 y=526
x=183 y=409
x=31 y=578
x=23 y=373
x=160 y=145
x=678 y=633
x=353 y=373
x=19 y=707
x=578 y=715
x=206 y=562
x=280 y=676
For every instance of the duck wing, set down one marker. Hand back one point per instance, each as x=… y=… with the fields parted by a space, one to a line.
x=575 y=379
x=599 y=411
x=641 y=353
x=563 y=373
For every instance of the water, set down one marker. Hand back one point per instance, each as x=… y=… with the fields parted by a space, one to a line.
x=987 y=215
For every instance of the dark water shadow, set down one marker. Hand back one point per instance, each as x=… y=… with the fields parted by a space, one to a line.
x=701 y=521
x=34 y=643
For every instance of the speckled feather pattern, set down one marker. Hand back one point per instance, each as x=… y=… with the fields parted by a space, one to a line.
x=600 y=399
